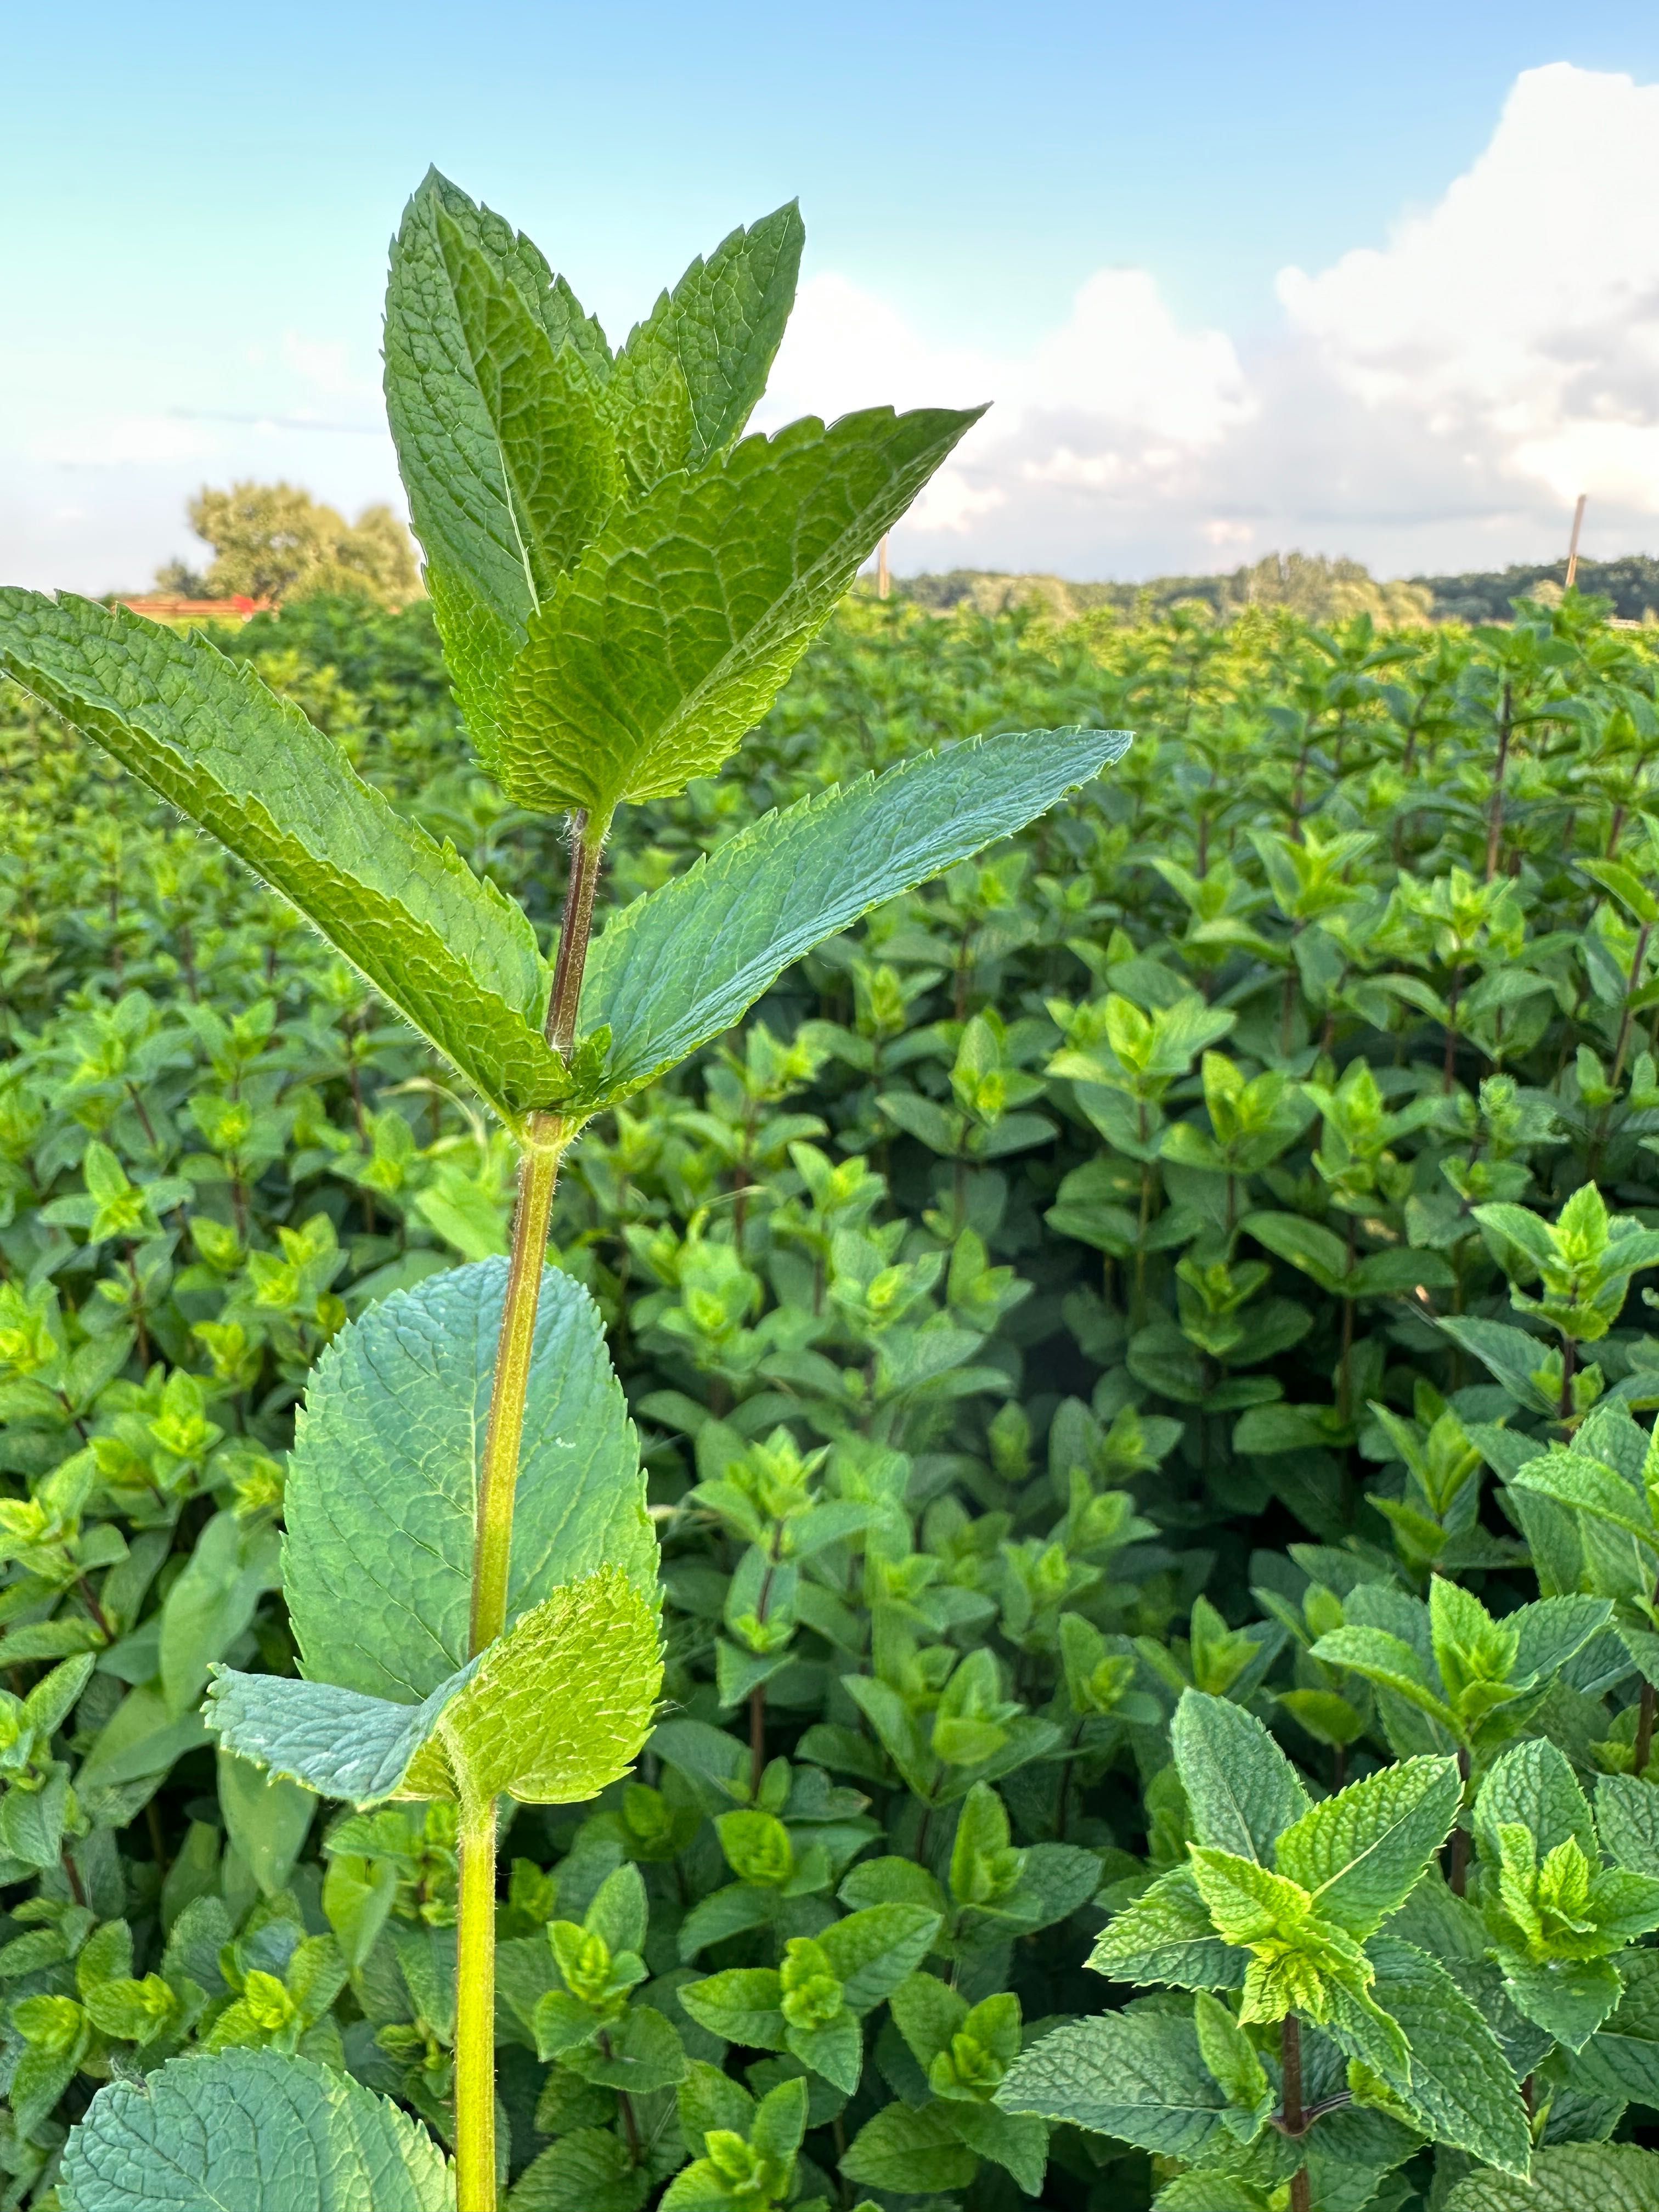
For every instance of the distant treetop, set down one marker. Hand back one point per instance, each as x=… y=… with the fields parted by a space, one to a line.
x=273 y=543
x=1312 y=586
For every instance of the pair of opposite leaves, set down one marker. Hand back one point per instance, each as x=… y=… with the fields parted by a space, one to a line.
x=623 y=584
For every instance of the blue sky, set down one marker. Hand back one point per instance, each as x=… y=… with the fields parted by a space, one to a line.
x=198 y=222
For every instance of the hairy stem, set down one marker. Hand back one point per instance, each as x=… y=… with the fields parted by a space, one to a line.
x=1495 y=816
x=475 y=2013
x=1295 y=2119
x=587 y=847
x=538 y=1175
x=544 y=1146
x=1643 y=1730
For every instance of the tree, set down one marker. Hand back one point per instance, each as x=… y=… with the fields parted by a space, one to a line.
x=275 y=542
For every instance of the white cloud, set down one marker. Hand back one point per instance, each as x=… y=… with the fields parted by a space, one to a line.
x=1436 y=402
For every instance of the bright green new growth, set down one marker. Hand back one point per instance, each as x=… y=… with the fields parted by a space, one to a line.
x=622 y=584
x=1287 y=1903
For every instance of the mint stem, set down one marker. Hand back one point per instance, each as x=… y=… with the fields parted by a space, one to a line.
x=544 y=1144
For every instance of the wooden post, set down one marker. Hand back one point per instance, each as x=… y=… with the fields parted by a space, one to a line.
x=883 y=580
x=1572 y=548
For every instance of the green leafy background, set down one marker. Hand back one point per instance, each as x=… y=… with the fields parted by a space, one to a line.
x=1033 y=1308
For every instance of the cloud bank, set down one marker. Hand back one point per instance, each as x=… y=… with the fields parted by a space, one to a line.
x=1435 y=403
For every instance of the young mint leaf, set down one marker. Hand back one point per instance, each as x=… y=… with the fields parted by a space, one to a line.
x=382 y=1483
x=456 y=958
x=449 y=442
x=1243 y=1790
x=712 y=339
x=559 y=467
x=927 y=2013
x=682 y=964
x=1167 y=1935
x=254 y=2129
x=1462 y=2087
x=1360 y=1853
x=675 y=631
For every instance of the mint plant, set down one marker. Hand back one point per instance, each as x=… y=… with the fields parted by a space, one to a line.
x=1277 y=1923
x=623 y=582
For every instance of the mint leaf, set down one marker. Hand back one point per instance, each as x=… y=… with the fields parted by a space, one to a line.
x=589 y=2170
x=1621 y=2059
x=1462 y=2086
x=682 y=964
x=383 y=1479
x=1551 y=1631
x=1627 y=1821
x=1136 y=2075
x=1167 y=1935
x=556 y=1709
x=449 y=444
x=871 y=1952
x=1611 y=2176
x=1230 y=2054
x=1575 y=1479
x=1014 y=2141
x=255 y=2131
x=712 y=341
x=453 y=955
x=1243 y=1790
x=910 y=2153
x=1534 y=1786
x=337 y=1742
x=745 y=2005
x=551 y=1713
x=1389 y=1662
x=675 y=631
x=1571 y=1997
x=1360 y=1853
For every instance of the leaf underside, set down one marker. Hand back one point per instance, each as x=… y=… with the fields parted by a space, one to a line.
x=251 y=2132
x=381 y=1503
x=454 y=956
x=680 y=966
x=551 y=1713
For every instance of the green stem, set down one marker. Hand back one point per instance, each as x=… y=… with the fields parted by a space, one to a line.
x=538 y=1175
x=545 y=1143
x=475 y=2013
